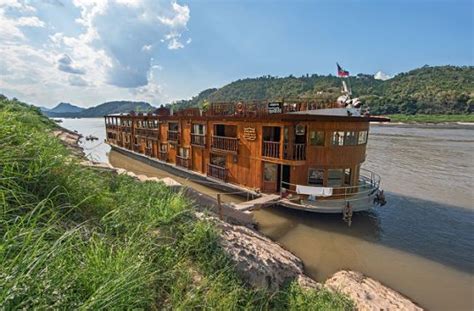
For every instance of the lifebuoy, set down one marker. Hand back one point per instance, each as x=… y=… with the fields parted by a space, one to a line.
x=240 y=107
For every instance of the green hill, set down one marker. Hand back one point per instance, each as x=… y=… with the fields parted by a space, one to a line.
x=104 y=109
x=427 y=90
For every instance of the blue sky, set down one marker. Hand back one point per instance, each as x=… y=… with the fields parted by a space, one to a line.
x=87 y=52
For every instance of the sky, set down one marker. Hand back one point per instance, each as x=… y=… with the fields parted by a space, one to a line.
x=87 y=52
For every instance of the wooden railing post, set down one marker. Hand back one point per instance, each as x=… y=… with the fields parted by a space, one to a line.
x=219 y=206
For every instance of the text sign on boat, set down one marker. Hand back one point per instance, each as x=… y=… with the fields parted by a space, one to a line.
x=274 y=108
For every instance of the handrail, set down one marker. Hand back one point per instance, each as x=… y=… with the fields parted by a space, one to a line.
x=371 y=183
x=217 y=171
x=225 y=143
x=271 y=149
x=198 y=139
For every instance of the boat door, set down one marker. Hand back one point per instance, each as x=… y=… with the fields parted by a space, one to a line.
x=271 y=177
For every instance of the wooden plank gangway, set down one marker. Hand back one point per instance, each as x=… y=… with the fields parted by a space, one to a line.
x=264 y=200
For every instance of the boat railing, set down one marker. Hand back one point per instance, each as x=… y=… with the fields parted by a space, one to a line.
x=368 y=183
x=147 y=132
x=182 y=161
x=298 y=152
x=225 y=143
x=173 y=136
x=163 y=156
x=271 y=149
x=198 y=139
x=149 y=151
x=217 y=172
x=112 y=127
x=259 y=108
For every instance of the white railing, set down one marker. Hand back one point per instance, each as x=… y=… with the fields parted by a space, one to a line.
x=369 y=182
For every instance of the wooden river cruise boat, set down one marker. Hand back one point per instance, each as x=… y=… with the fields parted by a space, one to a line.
x=308 y=152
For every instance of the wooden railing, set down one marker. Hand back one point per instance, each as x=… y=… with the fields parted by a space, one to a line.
x=297 y=154
x=182 y=161
x=112 y=127
x=217 y=172
x=152 y=133
x=225 y=143
x=271 y=149
x=164 y=156
x=149 y=151
x=173 y=136
x=198 y=139
x=126 y=129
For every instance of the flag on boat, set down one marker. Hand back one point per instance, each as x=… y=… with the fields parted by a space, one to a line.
x=341 y=72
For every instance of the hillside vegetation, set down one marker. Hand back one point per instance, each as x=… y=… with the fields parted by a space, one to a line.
x=427 y=90
x=76 y=238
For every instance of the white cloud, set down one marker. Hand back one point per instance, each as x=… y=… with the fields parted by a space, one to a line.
x=109 y=48
x=30 y=21
x=77 y=81
x=180 y=17
x=379 y=75
x=152 y=93
x=10 y=25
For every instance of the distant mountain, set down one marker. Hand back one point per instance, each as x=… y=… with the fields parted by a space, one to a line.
x=44 y=109
x=116 y=107
x=427 y=90
x=100 y=110
x=66 y=108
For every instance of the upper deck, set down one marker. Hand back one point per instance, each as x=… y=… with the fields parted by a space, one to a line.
x=264 y=110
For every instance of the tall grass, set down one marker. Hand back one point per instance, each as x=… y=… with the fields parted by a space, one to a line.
x=72 y=237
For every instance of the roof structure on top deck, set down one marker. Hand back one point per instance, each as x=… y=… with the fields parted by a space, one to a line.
x=283 y=110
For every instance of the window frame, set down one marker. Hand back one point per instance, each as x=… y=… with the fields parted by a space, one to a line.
x=315 y=132
x=322 y=178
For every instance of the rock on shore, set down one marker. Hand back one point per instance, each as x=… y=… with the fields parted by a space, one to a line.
x=368 y=294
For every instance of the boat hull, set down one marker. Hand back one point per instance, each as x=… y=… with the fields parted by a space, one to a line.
x=333 y=206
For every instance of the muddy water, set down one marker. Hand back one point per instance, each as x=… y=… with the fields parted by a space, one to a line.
x=421 y=243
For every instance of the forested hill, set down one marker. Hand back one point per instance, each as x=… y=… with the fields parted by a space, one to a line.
x=105 y=109
x=427 y=90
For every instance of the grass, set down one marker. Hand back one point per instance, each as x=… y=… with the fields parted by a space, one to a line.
x=431 y=118
x=76 y=238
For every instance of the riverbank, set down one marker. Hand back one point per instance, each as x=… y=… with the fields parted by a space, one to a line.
x=432 y=118
x=75 y=236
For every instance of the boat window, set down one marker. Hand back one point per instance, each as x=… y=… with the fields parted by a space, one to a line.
x=350 y=139
x=183 y=152
x=270 y=172
x=164 y=148
x=271 y=133
x=335 y=177
x=316 y=138
x=315 y=177
x=199 y=129
x=149 y=144
x=225 y=130
x=173 y=126
x=347 y=176
x=337 y=138
x=362 y=137
x=218 y=160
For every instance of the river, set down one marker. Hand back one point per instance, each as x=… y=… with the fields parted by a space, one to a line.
x=421 y=243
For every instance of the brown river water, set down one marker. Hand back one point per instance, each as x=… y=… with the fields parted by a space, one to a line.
x=421 y=243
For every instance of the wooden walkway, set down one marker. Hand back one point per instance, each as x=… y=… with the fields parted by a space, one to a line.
x=264 y=200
